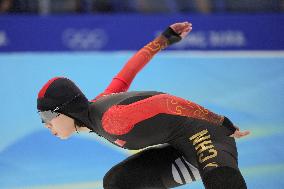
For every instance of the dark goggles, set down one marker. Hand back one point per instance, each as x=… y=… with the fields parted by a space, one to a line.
x=47 y=116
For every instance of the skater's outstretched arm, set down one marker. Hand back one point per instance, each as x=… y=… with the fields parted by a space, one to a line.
x=122 y=81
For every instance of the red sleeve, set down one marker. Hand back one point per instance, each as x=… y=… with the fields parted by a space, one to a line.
x=122 y=81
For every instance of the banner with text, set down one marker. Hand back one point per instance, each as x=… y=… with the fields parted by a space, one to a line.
x=130 y=32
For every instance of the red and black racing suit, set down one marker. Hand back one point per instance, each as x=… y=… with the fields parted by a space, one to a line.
x=197 y=140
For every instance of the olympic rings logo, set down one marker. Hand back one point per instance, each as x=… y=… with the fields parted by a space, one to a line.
x=84 y=39
x=3 y=38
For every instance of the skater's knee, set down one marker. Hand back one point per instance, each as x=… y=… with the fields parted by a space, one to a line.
x=111 y=180
x=224 y=178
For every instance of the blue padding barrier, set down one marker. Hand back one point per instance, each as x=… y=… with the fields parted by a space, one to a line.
x=129 y=32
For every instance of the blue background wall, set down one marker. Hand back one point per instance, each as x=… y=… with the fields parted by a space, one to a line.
x=129 y=32
x=247 y=88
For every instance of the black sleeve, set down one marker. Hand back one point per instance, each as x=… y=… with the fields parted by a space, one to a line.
x=229 y=125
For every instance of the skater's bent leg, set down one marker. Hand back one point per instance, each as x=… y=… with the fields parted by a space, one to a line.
x=136 y=172
x=224 y=178
x=154 y=168
x=215 y=152
x=139 y=171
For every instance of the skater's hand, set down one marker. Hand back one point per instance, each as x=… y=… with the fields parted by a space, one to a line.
x=240 y=134
x=182 y=28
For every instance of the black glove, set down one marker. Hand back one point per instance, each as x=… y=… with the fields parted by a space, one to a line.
x=171 y=35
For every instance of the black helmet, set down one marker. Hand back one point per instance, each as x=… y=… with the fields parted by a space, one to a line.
x=61 y=95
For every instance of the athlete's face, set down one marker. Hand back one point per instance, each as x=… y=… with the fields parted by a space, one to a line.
x=61 y=126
